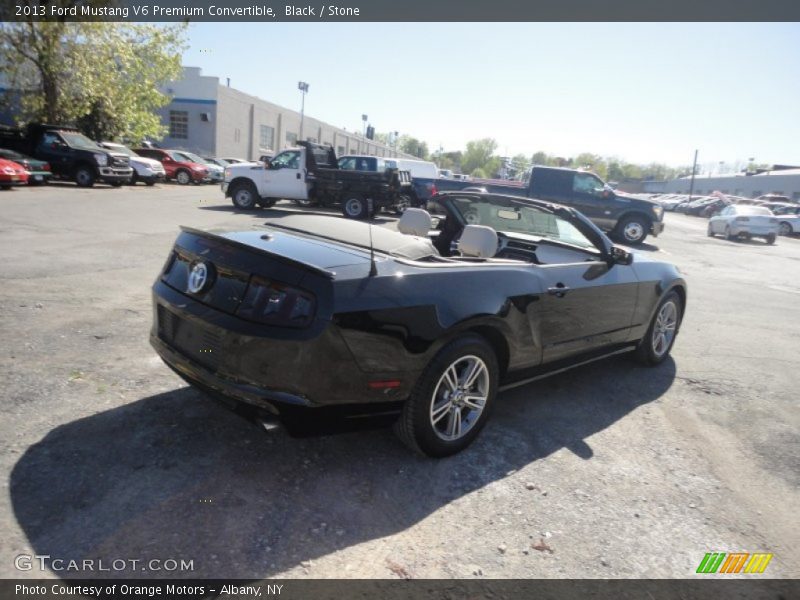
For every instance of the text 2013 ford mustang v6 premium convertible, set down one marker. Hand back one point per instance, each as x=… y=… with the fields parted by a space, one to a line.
x=318 y=314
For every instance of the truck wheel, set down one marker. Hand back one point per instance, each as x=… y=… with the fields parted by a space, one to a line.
x=403 y=202
x=452 y=399
x=134 y=178
x=244 y=196
x=355 y=207
x=183 y=177
x=84 y=176
x=632 y=229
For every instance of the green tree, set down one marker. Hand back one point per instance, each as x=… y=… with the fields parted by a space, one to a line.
x=541 y=158
x=478 y=155
x=413 y=146
x=478 y=173
x=63 y=82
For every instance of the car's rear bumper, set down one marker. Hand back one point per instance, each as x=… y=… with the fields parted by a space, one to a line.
x=260 y=365
x=755 y=231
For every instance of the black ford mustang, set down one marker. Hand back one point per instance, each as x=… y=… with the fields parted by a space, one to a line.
x=314 y=314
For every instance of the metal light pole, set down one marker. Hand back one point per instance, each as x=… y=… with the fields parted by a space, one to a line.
x=364 y=125
x=694 y=168
x=303 y=87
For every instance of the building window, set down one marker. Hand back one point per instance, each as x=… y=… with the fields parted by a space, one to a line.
x=179 y=124
x=291 y=138
x=267 y=137
x=339 y=150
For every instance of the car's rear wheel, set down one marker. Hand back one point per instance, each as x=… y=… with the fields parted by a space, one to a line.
x=183 y=177
x=771 y=238
x=355 y=207
x=632 y=229
x=785 y=228
x=452 y=399
x=244 y=196
x=655 y=346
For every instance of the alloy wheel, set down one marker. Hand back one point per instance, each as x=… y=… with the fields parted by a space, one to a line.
x=664 y=328
x=459 y=398
x=633 y=231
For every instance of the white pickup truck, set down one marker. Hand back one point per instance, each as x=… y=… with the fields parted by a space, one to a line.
x=309 y=174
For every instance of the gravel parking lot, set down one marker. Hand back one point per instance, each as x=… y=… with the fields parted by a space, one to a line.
x=611 y=470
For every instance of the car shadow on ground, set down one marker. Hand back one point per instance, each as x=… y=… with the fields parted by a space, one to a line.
x=177 y=476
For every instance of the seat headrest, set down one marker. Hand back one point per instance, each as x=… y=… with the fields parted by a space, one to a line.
x=479 y=241
x=415 y=221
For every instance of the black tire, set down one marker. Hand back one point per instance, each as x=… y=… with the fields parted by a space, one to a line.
x=134 y=178
x=416 y=427
x=355 y=207
x=632 y=229
x=646 y=352
x=710 y=232
x=785 y=228
x=771 y=238
x=84 y=176
x=404 y=201
x=117 y=183
x=728 y=234
x=244 y=196
x=150 y=182
x=183 y=177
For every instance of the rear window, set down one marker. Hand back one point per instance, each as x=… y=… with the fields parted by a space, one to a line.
x=753 y=210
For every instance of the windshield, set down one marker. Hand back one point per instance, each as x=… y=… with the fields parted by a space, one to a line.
x=193 y=157
x=77 y=140
x=121 y=149
x=517 y=217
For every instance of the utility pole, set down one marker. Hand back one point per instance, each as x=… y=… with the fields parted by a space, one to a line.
x=694 y=168
x=303 y=87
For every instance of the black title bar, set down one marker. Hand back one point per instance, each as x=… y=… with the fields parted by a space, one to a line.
x=401 y=10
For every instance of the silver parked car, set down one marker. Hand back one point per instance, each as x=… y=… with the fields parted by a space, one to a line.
x=741 y=221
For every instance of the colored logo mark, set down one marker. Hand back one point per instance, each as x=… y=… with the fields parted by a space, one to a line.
x=734 y=562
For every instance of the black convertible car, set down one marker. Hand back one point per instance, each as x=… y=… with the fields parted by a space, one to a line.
x=317 y=315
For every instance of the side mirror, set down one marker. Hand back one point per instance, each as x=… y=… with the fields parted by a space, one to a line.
x=620 y=256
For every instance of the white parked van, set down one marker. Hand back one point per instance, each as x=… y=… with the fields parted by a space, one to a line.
x=419 y=169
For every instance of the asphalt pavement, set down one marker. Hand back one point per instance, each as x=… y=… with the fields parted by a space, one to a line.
x=612 y=470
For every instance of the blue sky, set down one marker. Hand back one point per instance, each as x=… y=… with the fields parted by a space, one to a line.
x=641 y=92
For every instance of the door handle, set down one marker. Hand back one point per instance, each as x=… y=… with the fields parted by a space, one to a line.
x=298 y=175
x=559 y=291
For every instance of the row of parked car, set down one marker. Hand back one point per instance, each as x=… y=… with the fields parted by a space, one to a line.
x=38 y=153
x=735 y=217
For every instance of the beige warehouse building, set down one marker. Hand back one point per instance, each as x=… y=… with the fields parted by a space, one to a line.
x=216 y=120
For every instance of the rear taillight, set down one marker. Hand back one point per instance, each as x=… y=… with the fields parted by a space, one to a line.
x=742 y=219
x=275 y=303
x=46 y=167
